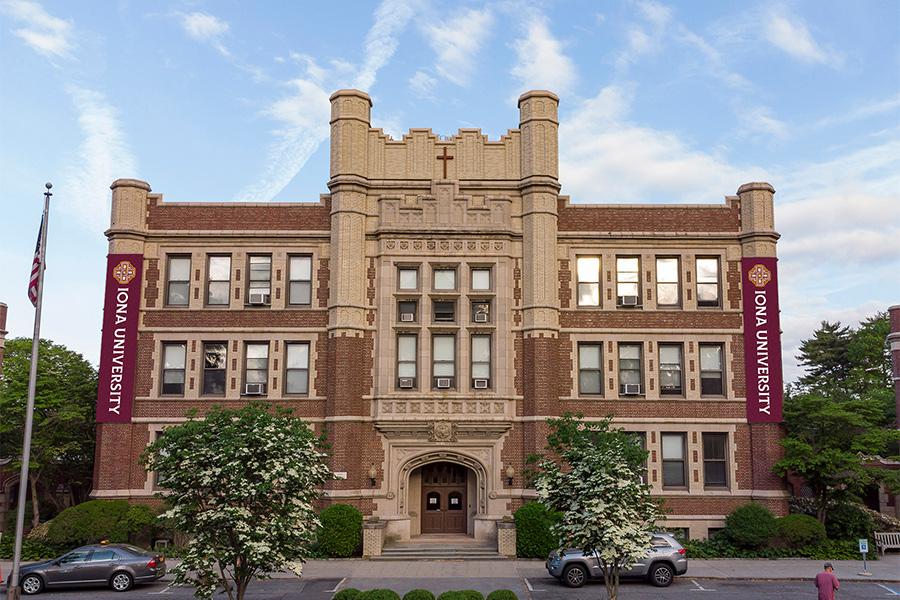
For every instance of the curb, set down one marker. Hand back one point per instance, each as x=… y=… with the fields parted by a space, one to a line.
x=730 y=578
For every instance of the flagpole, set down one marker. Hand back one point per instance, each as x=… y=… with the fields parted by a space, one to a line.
x=13 y=592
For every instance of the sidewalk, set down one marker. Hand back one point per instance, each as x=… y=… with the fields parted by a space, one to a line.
x=887 y=569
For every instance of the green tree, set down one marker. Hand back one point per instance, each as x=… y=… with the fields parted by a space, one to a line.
x=243 y=485
x=62 y=440
x=826 y=358
x=592 y=474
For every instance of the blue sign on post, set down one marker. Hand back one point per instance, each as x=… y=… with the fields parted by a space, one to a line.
x=864 y=546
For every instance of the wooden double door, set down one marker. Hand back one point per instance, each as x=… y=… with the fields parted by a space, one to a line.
x=444 y=508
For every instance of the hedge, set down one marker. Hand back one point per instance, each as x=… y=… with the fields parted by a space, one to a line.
x=347 y=594
x=502 y=595
x=418 y=595
x=31 y=549
x=461 y=595
x=719 y=547
x=848 y=521
x=533 y=536
x=340 y=533
x=750 y=526
x=95 y=520
x=379 y=594
x=800 y=530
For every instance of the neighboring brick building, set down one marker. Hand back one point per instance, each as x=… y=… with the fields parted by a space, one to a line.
x=435 y=308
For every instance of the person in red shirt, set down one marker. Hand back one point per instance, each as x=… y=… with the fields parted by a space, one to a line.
x=827 y=583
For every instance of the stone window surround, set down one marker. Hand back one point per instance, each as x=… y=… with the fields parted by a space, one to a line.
x=241 y=339
x=647 y=257
x=648 y=358
x=239 y=260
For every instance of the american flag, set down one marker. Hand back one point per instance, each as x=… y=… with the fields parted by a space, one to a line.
x=36 y=268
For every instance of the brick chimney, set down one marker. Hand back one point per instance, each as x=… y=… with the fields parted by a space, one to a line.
x=894 y=342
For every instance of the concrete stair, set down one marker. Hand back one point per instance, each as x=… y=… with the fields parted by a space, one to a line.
x=440 y=548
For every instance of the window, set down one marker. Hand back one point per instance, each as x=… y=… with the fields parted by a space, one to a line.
x=445 y=279
x=630 y=372
x=715 y=472
x=103 y=556
x=407 y=361
x=173 y=369
x=588 y=268
x=673 y=453
x=256 y=368
x=408 y=278
x=667 y=285
x=590 y=370
x=712 y=379
x=481 y=311
x=75 y=556
x=481 y=280
x=444 y=311
x=218 y=285
x=300 y=280
x=481 y=361
x=407 y=311
x=214 y=360
x=707 y=282
x=296 y=368
x=179 y=281
x=443 y=368
x=628 y=281
x=670 y=369
x=259 y=285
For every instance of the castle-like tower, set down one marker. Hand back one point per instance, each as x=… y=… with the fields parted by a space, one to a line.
x=437 y=306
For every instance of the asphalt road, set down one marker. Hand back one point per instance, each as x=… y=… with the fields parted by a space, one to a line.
x=537 y=589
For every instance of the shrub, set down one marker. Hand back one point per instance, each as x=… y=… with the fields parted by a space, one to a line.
x=750 y=526
x=379 y=594
x=92 y=521
x=533 y=536
x=418 y=595
x=347 y=594
x=502 y=595
x=848 y=521
x=800 y=530
x=721 y=548
x=452 y=595
x=31 y=549
x=471 y=595
x=340 y=534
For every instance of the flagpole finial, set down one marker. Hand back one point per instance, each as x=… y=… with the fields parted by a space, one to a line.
x=48 y=185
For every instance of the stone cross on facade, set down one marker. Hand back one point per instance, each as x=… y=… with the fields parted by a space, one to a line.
x=445 y=157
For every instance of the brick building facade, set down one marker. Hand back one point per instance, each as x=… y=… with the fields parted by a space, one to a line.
x=433 y=310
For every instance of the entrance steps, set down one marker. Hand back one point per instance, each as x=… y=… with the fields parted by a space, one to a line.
x=440 y=547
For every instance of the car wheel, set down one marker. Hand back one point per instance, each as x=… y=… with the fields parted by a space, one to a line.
x=32 y=584
x=574 y=576
x=121 y=581
x=661 y=575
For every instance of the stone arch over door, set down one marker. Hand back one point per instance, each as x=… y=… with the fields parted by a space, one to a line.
x=476 y=466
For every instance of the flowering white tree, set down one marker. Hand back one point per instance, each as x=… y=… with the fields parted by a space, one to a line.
x=242 y=484
x=591 y=474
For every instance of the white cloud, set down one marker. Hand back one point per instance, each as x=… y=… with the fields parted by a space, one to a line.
x=865 y=111
x=422 y=84
x=44 y=33
x=457 y=42
x=790 y=34
x=759 y=120
x=541 y=61
x=104 y=156
x=606 y=158
x=206 y=28
x=391 y=18
x=641 y=42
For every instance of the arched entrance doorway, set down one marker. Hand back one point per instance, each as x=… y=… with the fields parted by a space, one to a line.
x=444 y=498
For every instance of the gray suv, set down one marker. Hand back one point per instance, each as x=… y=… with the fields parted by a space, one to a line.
x=665 y=559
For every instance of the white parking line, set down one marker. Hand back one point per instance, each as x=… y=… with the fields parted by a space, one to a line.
x=165 y=590
x=884 y=587
x=337 y=587
x=528 y=585
x=699 y=587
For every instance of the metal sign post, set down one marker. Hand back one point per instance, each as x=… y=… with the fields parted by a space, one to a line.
x=864 y=549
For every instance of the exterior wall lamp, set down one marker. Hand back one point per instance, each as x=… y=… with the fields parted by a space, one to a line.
x=510 y=473
x=373 y=475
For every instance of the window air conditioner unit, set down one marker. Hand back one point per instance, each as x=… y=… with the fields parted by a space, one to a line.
x=632 y=389
x=481 y=317
x=254 y=389
x=406 y=382
x=407 y=317
x=628 y=300
x=443 y=383
x=481 y=384
x=259 y=298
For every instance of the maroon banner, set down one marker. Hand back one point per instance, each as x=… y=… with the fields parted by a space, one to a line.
x=762 y=339
x=117 y=347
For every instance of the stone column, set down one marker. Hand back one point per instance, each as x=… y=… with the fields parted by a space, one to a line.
x=350 y=341
x=758 y=239
x=539 y=187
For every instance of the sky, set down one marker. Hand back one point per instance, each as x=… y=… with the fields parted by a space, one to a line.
x=661 y=102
